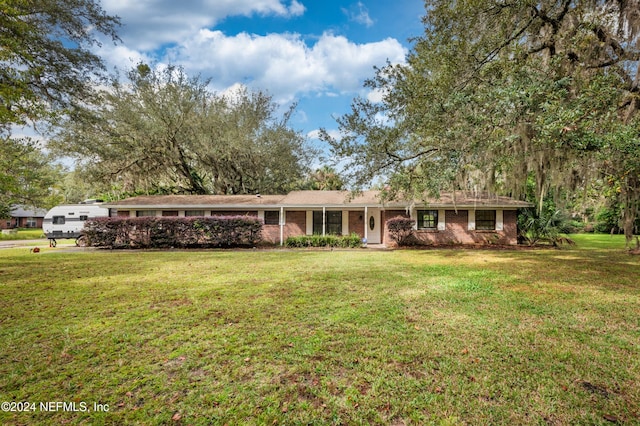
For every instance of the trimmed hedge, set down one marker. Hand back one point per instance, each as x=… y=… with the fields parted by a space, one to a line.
x=401 y=229
x=352 y=241
x=173 y=232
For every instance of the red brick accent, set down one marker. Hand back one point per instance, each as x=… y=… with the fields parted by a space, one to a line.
x=235 y=213
x=511 y=226
x=356 y=223
x=296 y=224
x=19 y=222
x=457 y=232
x=385 y=216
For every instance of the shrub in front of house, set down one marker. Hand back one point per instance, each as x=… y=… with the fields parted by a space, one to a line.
x=401 y=229
x=173 y=232
x=344 y=241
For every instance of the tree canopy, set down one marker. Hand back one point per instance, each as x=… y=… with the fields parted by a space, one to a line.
x=163 y=131
x=46 y=68
x=496 y=95
x=45 y=61
x=26 y=175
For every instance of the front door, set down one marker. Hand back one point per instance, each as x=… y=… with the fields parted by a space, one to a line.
x=373 y=226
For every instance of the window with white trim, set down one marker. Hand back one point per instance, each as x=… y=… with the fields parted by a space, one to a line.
x=427 y=219
x=272 y=217
x=485 y=220
x=333 y=222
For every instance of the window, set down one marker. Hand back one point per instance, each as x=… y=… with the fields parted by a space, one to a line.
x=143 y=213
x=485 y=220
x=169 y=213
x=194 y=213
x=31 y=222
x=58 y=220
x=427 y=219
x=272 y=217
x=333 y=223
x=84 y=217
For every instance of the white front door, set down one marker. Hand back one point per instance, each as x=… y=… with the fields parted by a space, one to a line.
x=373 y=225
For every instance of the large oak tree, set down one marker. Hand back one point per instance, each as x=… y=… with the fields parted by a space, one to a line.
x=499 y=94
x=47 y=68
x=46 y=61
x=163 y=131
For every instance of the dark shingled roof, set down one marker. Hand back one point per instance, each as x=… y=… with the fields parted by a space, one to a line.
x=22 y=211
x=316 y=199
x=198 y=200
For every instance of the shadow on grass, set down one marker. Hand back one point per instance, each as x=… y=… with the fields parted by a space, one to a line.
x=610 y=269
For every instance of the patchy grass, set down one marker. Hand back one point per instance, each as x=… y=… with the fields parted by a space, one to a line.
x=324 y=337
x=23 y=234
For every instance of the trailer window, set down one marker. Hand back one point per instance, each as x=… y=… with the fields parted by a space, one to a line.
x=58 y=220
x=84 y=217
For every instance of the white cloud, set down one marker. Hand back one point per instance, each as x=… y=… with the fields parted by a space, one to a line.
x=284 y=64
x=121 y=57
x=149 y=24
x=359 y=13
x=315 y=134
x=376 y=96
x=296 y=9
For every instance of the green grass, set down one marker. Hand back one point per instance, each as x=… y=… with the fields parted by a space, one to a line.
x=324 y=337
x=23 y=234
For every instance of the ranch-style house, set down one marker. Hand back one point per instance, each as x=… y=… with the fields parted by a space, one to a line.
x=23 y=217
x=463 y=219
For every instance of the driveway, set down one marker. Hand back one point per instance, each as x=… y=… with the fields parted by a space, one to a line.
x=42 y=242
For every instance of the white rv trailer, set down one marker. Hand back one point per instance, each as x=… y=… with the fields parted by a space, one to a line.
x=67 y=221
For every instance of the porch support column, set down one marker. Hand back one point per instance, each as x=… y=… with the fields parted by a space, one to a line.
x=499 y=220
x=281 y=226
x=366 y=223
x=345 y=222
x=324 y=220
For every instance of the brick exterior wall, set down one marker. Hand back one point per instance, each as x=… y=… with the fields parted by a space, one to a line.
x=356 y=223
x=296 y=225
x=510 y=227
x=19 y=222
x=385 y=216
x=457 y=232
x=253 y=213
x=456 y=228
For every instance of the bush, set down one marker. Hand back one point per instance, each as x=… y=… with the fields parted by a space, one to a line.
x=546 y=227
x=401 y=229
x=607 y=220
x=168 y=232
x=347 y=241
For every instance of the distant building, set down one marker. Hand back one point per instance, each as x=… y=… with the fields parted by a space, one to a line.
x=22 y=217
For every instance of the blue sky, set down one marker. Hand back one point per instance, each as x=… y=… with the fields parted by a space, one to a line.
x=316 y=53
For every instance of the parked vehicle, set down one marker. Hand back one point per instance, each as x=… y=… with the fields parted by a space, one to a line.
x=67 y=221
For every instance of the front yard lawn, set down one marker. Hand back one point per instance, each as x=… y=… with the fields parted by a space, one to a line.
x=322 y=337
x=22 y=234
